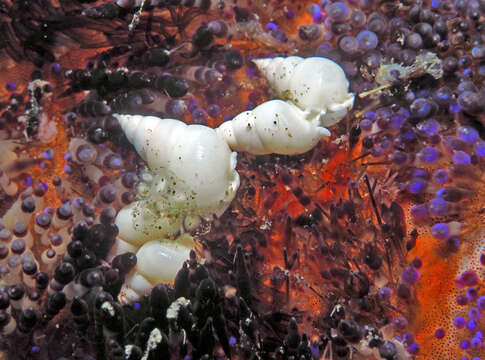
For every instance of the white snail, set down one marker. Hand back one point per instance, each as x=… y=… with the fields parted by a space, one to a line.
x=191 y=174
x=158 y=261
x=275 y=126
x=316 y=85
x=194 y=169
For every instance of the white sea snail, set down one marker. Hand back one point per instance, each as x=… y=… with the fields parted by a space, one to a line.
x=193 y=175
x=275 y=126
x=316 y=85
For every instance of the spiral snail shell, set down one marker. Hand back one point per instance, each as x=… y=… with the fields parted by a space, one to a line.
x=193 y=175
x=316 y=85
x=275 y=126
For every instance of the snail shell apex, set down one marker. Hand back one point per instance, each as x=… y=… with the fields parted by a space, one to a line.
x=316 y=85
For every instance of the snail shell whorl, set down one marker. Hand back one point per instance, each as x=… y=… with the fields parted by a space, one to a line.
x=160 y=260
x=139 y=222
x=197 y=164
x=317 y=85
x=273 y=127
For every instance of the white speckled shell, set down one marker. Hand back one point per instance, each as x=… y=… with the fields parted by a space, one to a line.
x=160 y=260
x=197 y=165
x=139 y=222
x=273 y=127
x=317 y=85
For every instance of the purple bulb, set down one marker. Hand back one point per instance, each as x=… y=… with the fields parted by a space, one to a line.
x=214 y=110
x=408 y=338
x=476 y=344
x=455 y=108
x=385 y=293
x=400 y=323
x=398 y=157
x=481 y=303
x=467 y=134
x=421 y=108
x=439 y=333
x=410 y=274
x=472 y=293
x=474 y=313
x=465 y=344
x=10 y=86
x=428 y=155
x=377 y=151
x=471 y=325
x=414 y=348
x=441 y=176
x=467 y=278
x=367 y=40
x=366 y=125
x=318 y=18
x=371 y=115
x=461 y=157
x=420 y=173
x=459 y=322
x=416 y=186
x=396 y=122
x=480 y=148
x=419 y=212
x=417 y=262
x=440 y=231
x=337 y=11
x=429 y=127
x=438 y=206
x=461 y=300
x=271 y=26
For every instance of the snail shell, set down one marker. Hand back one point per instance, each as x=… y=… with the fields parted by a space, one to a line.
x=158 y=261
x=316 y=85
x=140 y=222
x=275 y=126
x=195 y=167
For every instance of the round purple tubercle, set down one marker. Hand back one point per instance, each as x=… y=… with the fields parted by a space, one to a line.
x=271 y=26
x=459 y=322
x=10 y=86
x=416 y=186
x=400 y=323
x=414 y=348
x=461 y=157
x=410 y=274
x=461 y=300
x=467 y=278
x=481 y=303
x=472 y=293
x=385 y=293
x=439 y=333
x=467 y=134
x=366 y=125
x=429 y=127
x=438 y=206
x=474 y=313
x=440 y=231
x=441 y=176
x=480 y=148
x=428 y=155
x=417 y=262
x=471 y=325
